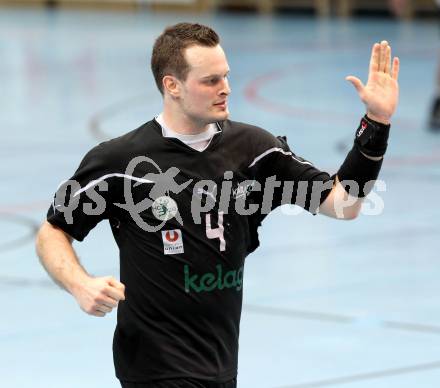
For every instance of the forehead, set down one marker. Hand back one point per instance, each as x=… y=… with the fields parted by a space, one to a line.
x=204 y=61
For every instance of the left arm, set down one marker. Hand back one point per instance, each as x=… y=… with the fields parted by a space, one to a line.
x=380 y=95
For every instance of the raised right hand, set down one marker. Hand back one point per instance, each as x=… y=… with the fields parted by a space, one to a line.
x=381 y=93
x=99 y=296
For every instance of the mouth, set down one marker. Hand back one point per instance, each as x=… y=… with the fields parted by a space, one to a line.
x=221 y=104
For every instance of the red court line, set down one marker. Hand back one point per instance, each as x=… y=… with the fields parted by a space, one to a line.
x=24 y=207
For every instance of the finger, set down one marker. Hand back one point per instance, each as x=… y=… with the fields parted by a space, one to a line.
x=374 y=61
x=109 y=302
x=114 y=293
x=383 y=55
x=98 y=314
x=116 y=284
x=357 y=83
x=388 y=60
x=396 y=66
x=103 y=309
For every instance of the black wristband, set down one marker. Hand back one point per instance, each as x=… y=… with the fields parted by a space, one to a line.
x=372 y=137
x=358 y=173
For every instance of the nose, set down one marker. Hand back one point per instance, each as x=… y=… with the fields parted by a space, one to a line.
x=225 y=90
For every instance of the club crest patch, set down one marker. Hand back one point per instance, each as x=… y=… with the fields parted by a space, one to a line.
x=172 y=242
x=164 y=208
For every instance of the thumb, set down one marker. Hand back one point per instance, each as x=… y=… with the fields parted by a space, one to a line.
x=115 y=283
x=357 y=83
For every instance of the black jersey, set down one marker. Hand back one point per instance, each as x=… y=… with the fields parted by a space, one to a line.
x=183 y=269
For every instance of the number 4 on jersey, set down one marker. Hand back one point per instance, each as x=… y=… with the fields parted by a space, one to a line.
x=217 y=232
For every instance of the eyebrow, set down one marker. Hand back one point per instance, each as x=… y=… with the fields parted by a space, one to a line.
x=215 y=75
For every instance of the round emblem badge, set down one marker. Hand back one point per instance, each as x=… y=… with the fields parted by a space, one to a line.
x=164 y=208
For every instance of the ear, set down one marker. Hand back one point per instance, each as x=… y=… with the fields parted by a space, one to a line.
x=171 y=85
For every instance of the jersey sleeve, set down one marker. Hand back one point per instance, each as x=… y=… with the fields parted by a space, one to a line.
x=87 y=198
x=299 y=181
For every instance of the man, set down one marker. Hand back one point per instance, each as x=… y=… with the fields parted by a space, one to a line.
x=185 y=194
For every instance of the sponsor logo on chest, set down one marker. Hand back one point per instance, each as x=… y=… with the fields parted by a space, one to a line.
x=172 y=242
x=211 y=281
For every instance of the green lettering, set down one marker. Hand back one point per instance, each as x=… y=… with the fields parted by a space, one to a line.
x=240 y=278
x=189 y=281
x=229 y=283
x=207 y=282
x=220 y=285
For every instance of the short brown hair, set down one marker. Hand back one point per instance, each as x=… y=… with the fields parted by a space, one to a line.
x=168 y=50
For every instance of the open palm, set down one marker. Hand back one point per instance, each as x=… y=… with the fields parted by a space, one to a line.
x=381 y=93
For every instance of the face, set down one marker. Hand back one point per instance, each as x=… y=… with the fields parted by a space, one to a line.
x=204 y=93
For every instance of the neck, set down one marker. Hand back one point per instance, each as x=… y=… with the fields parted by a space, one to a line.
x=182 y=123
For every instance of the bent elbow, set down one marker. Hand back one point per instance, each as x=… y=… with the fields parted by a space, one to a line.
x=38 y=234
x=351 y=215
x=49 y=233
x=39 y=240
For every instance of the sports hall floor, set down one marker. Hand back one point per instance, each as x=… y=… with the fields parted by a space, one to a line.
x=327 y=303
